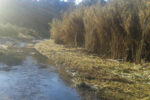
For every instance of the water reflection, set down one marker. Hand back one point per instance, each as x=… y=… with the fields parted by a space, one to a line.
x=26 y=75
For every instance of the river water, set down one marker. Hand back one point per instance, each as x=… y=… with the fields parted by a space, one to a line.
x=27 y=75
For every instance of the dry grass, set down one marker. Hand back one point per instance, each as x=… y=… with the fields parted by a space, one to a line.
x=110 y=79
x=17 y=32
x=116 y=30
x=70 y=30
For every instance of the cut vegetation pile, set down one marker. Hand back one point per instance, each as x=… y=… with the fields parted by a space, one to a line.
x=109 y=79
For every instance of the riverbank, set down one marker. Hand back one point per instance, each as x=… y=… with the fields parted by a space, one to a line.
x=109 y=79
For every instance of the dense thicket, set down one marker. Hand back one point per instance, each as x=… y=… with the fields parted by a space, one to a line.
x=118 y=29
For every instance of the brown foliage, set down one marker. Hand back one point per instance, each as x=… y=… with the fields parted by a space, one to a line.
x=118 y=30
x=70 y=30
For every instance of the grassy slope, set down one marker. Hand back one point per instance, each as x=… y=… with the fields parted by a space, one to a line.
x=17 y=32
x=111 y=80
x=27 y=15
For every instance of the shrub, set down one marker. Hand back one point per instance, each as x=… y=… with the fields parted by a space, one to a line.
x=70 y=30
x=55 y=31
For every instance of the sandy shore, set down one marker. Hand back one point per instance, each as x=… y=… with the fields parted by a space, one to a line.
x=109 y=79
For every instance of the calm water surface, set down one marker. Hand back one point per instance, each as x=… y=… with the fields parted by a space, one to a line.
x=25 y=75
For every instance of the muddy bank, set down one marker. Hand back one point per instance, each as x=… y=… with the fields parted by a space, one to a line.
x=104 y=79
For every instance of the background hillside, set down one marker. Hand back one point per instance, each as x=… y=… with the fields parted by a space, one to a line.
x=30 y=14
